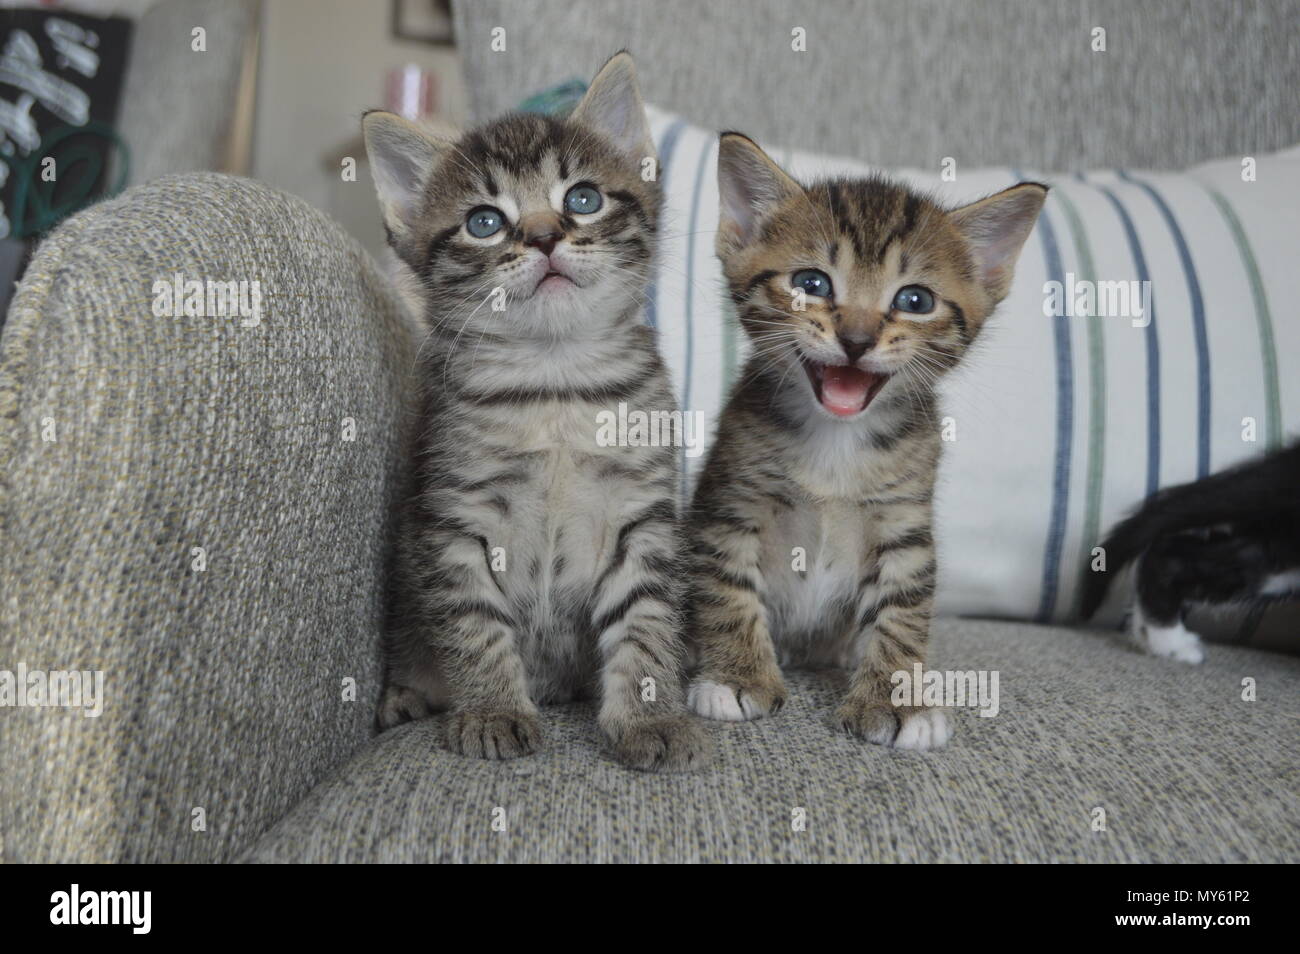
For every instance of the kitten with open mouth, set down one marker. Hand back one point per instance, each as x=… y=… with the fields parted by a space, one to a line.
x=843 y=389
x=811 y=524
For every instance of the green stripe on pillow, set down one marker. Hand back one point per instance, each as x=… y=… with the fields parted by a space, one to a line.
x=1267 y=346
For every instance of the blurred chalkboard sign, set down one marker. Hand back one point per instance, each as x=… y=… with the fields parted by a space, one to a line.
x=61 y=79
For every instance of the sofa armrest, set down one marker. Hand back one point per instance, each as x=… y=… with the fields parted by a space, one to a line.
x=195 y=506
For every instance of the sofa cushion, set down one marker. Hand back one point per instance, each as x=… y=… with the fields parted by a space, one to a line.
x=1183 y=767
x=181 y=509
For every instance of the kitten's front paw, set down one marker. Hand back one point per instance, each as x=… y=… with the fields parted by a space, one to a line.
x=1172 y=642
x=400 y=704
x=922 y=730
x=673 y=743
x=905 y=727
x=494 y=735
x=730 y=699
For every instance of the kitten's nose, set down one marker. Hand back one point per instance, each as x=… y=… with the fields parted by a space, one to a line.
x=855 y=346
x=542 y=239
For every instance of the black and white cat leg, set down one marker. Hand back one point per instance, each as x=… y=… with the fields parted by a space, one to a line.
x=1172 y=640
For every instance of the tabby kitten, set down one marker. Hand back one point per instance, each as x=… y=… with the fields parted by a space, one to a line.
x=810 y=528
x=534 y=565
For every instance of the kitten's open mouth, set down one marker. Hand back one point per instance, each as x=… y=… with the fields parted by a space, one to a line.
x=554 y=279
x=842 y=389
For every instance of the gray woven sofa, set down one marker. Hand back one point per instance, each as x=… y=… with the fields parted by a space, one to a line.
x=199 y=508
x=226 y=687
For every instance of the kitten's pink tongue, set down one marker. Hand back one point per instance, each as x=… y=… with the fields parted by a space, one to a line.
x=844 y=389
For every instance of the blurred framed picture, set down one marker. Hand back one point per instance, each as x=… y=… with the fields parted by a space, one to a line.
x=424 y=21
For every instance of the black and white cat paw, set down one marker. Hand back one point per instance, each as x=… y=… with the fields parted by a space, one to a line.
x=672 y=743
x=909 y=728
x=736 y=700
x=494 y=735
x=1174 y=641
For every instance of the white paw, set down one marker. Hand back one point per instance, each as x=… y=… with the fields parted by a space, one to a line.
x=1172 y=642
x=716 y=701
x=1176 y=642
x=923 y=730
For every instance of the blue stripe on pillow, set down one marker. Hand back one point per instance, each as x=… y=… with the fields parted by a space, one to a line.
x=1095 y=448
x=1064 y=424
x=1198 y=324
x=1153 y=343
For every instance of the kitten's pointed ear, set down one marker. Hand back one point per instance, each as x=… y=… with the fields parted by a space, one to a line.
x=750 y=187
x=613 y=106
x=996 y=229
x=402 y=155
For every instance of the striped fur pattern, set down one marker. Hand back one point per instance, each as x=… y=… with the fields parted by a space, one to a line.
x=534 y=565
x=811 y=524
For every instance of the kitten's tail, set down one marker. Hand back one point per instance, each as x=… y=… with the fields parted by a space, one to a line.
x=1265 y=488
x=1127 y=540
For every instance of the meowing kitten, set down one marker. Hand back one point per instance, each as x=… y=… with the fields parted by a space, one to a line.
x=811 y=525
x=534 y=565
x=1232 y=537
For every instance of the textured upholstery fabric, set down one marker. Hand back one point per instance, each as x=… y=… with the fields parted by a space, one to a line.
x=1183 y=768
x=177 y=103
x=907 y=82
x=224 y=686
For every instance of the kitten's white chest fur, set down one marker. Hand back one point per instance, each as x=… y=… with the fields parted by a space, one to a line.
x=563 y=522
x=563 y=513
x=813 y=563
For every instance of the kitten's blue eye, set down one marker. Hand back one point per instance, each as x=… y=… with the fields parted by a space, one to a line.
x=484 y=222
x=915 y=300
x=583 y=199
x=813 y=282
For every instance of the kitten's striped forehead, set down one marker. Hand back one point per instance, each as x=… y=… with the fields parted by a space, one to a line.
x=529 y=151
x=873 y=238
x=878 y=223
x=522 y=167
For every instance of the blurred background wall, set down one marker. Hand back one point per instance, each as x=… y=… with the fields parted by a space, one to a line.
x=322 y=64
x=273 y=89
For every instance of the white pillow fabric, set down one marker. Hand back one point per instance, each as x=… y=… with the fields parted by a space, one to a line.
x=1062 y=424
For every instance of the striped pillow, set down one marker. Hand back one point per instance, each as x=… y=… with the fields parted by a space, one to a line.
x=1062 y=424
